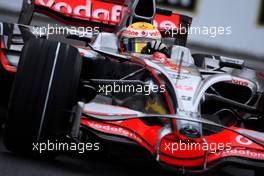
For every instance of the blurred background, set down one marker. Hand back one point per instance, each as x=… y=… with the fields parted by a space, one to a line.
x=244 y=17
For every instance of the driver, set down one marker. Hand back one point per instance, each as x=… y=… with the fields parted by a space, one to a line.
x=143 y=38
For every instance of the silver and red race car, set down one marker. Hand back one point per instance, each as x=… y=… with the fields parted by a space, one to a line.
x=193 y=113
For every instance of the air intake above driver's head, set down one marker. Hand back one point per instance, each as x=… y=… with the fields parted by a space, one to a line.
x=145 y=8
x=140 y=11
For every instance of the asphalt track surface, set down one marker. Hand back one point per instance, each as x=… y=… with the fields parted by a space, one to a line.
x=66 y=165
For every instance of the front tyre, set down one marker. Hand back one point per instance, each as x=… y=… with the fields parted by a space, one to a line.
x=2 y=116
x=43 y=94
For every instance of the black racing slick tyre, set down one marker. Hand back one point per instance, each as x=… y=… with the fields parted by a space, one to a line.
x=2 y=116
x=43 y=94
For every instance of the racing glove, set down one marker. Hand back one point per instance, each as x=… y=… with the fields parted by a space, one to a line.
x=155 y=46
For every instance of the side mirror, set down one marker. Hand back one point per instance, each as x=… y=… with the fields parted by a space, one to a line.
x=231 y=63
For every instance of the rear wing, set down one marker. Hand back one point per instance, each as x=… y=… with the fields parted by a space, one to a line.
x=106 y=14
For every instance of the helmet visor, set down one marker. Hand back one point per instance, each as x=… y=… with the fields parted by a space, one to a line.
x=135 y=45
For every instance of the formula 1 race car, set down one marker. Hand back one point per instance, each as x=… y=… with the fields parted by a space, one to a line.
x=192 y=113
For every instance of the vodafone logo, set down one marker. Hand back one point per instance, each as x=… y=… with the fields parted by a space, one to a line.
x=93 y=10
x=246 y=153
x=240 y=82
x=144 y=33
x=139 y=33
x=87 y=8
x=244 y=141
x=113 y=130
x=131 y=33
x=184 y=88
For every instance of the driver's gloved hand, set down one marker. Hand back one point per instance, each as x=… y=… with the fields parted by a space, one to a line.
x=155 y=46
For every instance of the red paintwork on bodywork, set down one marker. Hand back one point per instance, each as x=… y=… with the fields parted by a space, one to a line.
x=148 y=136
x=107 y=12
x=4 y=61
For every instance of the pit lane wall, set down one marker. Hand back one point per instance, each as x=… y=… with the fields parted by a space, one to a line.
x=242 y=21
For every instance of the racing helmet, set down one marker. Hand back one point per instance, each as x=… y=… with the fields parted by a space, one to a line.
x=136 y=36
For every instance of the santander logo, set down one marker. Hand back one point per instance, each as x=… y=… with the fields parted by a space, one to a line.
x=98 y=10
